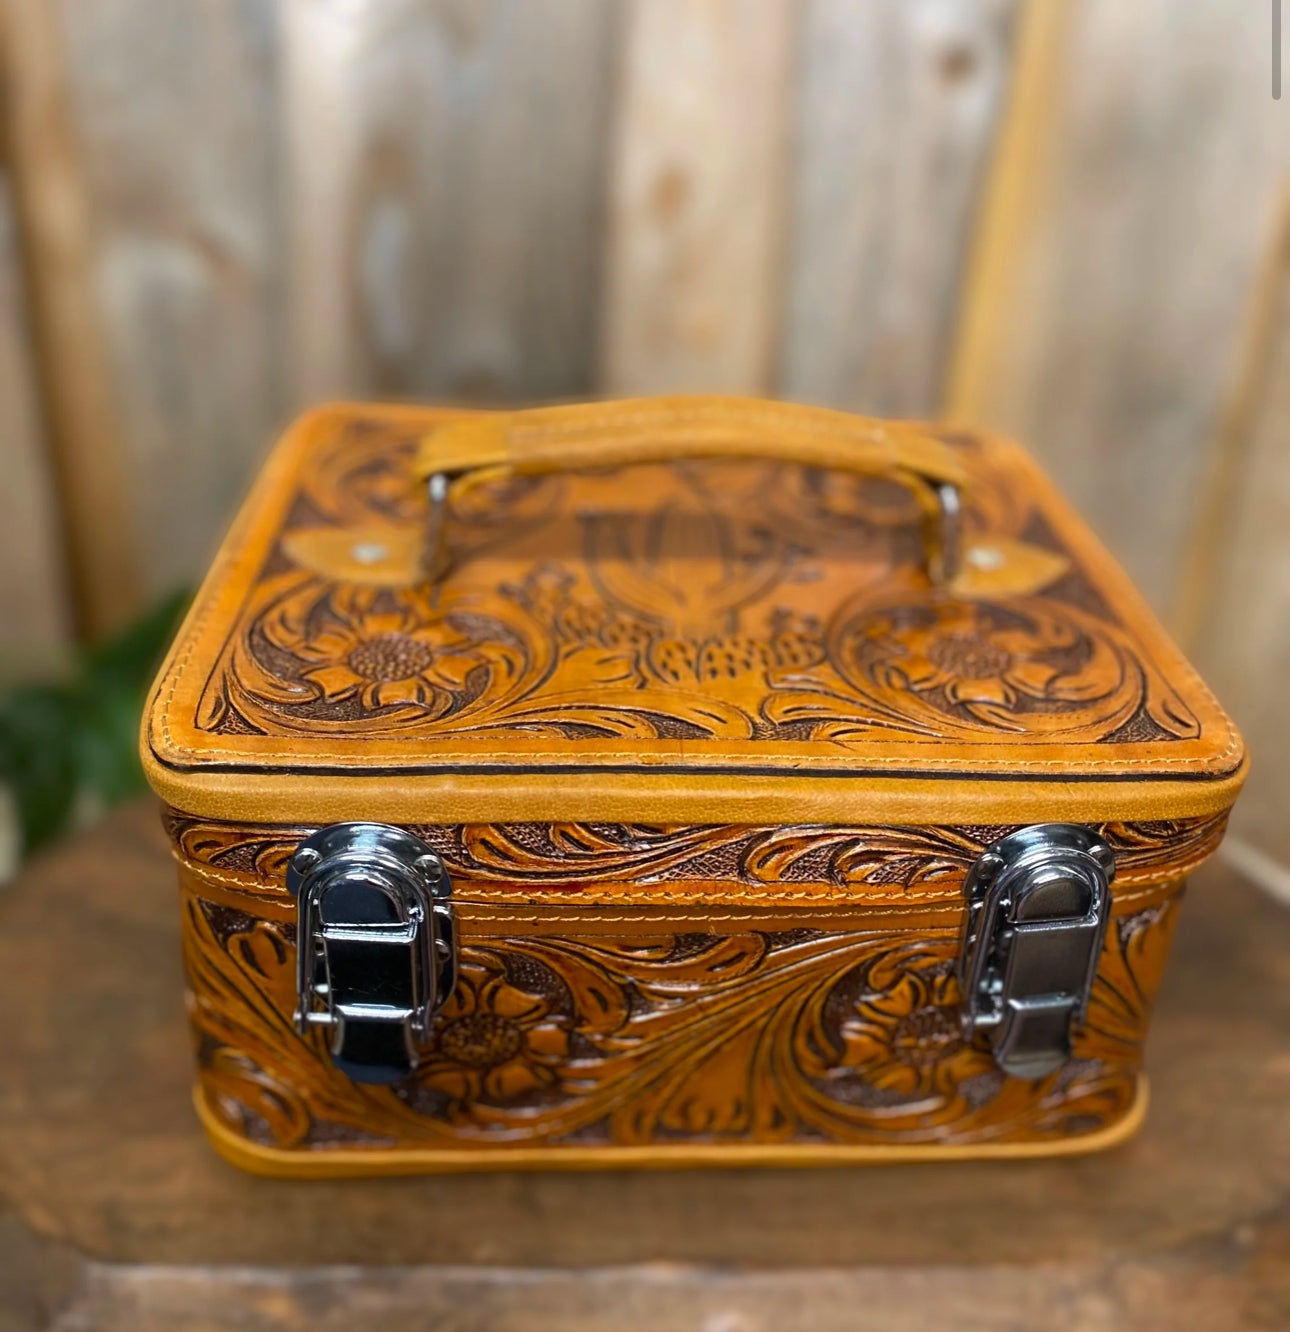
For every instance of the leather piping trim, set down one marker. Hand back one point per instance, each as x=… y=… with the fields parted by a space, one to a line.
x=669 y=770
x=691 y=796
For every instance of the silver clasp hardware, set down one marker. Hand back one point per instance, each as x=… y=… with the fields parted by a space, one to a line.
x=375 y=944
x=1038 y=904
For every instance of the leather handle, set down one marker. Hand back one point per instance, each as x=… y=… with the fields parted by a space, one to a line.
x=483 y=447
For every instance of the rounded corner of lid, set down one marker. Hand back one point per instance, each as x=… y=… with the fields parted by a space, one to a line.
x=324 y=414
x=164 y=761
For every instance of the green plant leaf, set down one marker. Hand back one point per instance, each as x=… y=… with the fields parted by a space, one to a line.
x=67 y=744
x=37 y=759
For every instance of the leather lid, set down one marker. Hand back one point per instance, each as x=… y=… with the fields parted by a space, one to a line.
x=713 y=639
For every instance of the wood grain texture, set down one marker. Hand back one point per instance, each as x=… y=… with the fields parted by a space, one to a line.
x=445 y=183
x=174 y=111
x=1217 y=1291
x=896 y=108
x=1132 y=243
x=1243 y=641
x=35 y=610
x=119 y=1216
x=1000 y=270
x=696 y=199
x=1218 y=518
x=79 y=395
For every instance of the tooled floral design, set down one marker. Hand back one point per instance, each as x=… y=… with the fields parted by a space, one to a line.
x=805 y=1035
x=974 y=662
x=645 y=651
x=903 y=1032
x=670 y=613
x=495 y=1041
x=385 y=656
x=607 y=853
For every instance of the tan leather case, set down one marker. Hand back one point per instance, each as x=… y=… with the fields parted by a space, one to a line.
x=707 y=728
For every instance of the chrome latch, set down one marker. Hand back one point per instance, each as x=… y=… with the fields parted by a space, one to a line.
x=375 y=945
x=1038 y=904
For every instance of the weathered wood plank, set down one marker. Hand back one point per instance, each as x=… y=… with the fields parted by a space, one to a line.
x=446 y=166
x=35 y=614
x=1229 y=457
x=1243 y=635
x=897 y=108
x=991 y=350
x=79 y=396
x=1130 y=244
x=696 y=202
x=1208 y=1292
x=176 y=117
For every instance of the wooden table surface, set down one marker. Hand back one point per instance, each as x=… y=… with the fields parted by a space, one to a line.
x=116 y=1214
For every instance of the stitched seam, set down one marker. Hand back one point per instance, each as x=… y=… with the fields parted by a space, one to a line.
x=1163 y=890
x=236 y=879
x=211 y=589
x=1069 y=765
x=771 y=893
x=250 y=883
x=179 y=669
x=544 y=917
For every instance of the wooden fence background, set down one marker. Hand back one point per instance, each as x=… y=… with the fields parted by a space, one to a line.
x=1066 y=218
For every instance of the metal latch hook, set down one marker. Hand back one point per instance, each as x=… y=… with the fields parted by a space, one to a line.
x=1038 y=905
x=375 y=945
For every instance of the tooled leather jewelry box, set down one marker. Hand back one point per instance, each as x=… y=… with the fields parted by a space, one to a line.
x=673 y=781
